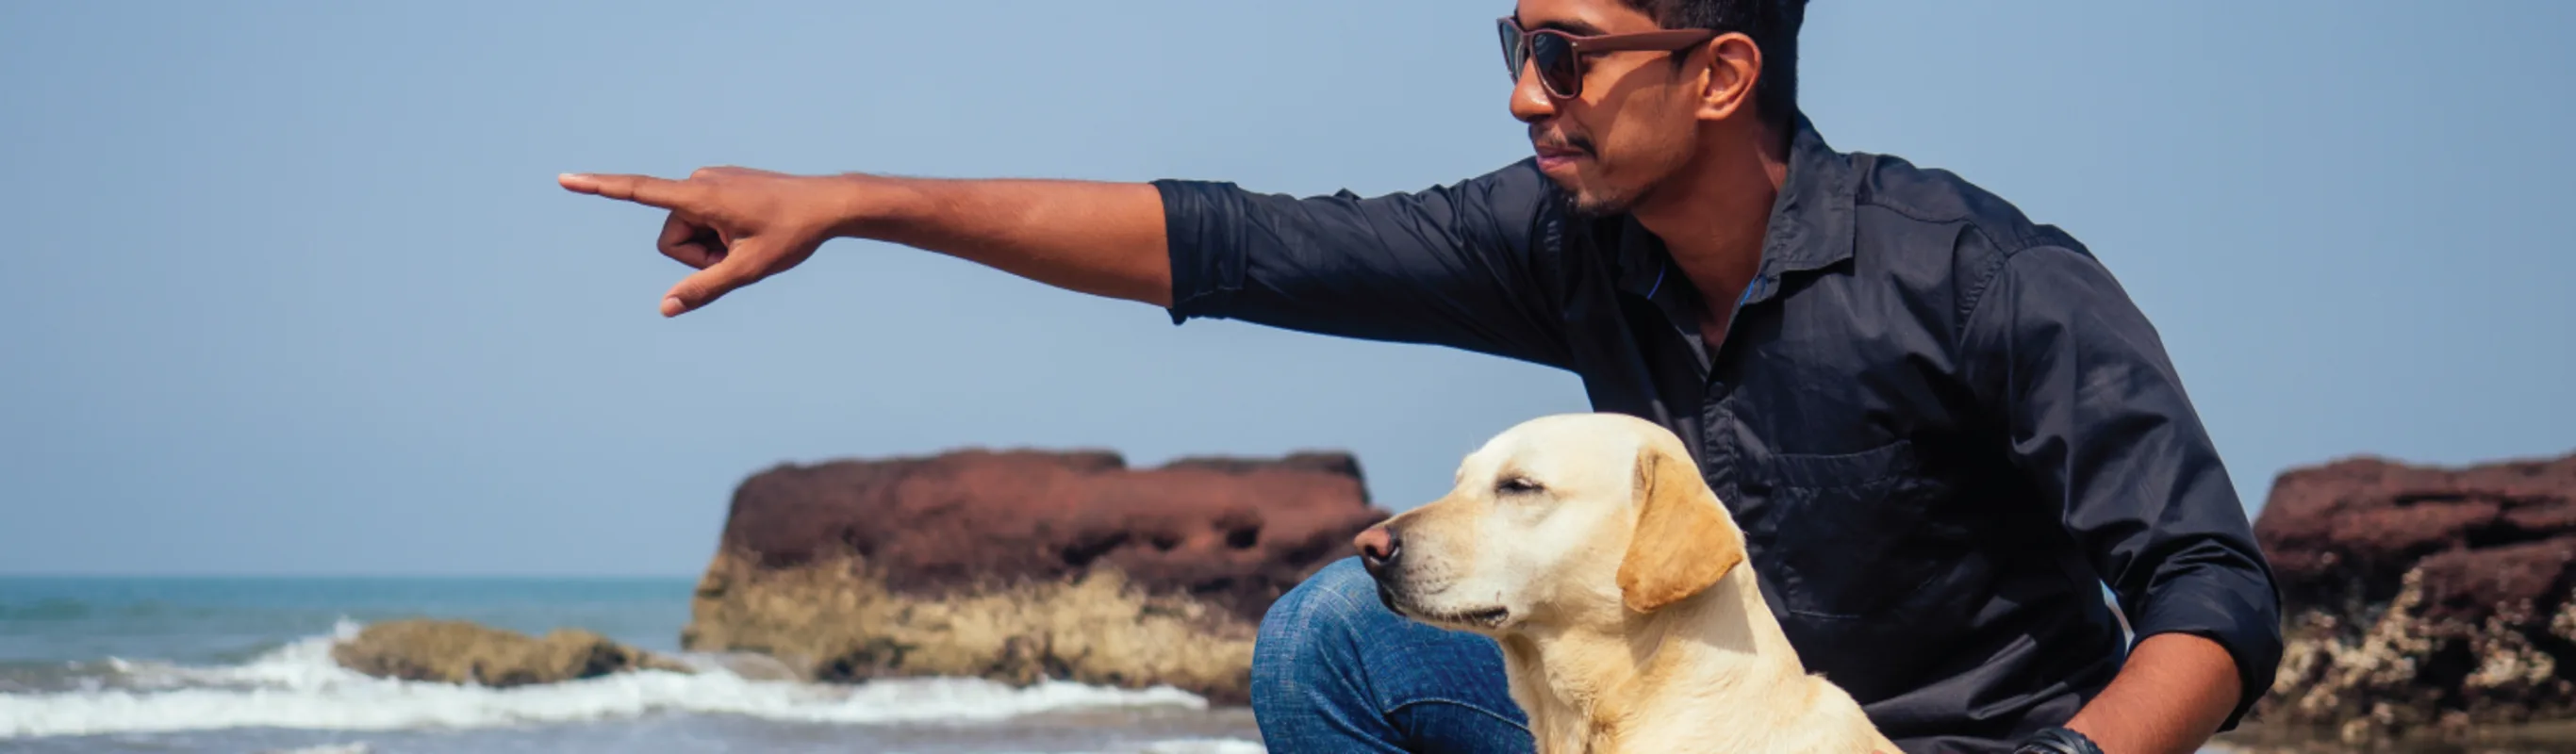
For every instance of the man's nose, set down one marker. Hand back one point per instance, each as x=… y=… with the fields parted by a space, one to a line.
x=1530 y=102
x=1379 y=547
x=1531 y=99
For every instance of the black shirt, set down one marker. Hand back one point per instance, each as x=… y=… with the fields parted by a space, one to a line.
x=1942 y=427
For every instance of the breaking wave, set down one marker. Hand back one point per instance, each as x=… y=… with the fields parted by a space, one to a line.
x=298 y=686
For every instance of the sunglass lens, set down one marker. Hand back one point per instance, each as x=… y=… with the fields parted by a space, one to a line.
x=1512 y=52
x=1557 y=66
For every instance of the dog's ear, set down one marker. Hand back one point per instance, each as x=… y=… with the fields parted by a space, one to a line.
x=1684 y=541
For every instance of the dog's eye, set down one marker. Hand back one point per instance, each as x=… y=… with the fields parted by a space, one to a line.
x=1516 y=485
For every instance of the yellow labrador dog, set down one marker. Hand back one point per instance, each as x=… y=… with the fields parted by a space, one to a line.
x=1588 y=546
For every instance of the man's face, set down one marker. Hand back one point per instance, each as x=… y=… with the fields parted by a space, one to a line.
x=1632 y=125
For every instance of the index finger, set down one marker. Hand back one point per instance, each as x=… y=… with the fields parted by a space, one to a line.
x=641 y=189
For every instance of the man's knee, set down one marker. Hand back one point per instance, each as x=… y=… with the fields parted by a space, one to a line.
x=1318 y=622
x=1334 y=670
x=1309 y=671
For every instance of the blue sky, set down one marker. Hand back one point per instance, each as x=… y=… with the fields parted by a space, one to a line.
x=291 y=289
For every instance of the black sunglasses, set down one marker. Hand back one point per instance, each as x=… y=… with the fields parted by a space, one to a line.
x=1560 y=55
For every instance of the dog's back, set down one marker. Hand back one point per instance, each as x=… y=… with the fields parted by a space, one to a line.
x=1717 y=676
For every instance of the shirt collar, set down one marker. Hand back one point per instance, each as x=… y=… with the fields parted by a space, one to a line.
x=1810 y=225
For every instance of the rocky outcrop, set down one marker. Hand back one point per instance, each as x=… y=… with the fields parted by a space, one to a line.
x=446 y=651
x=1023 y=565
x=2423 y=600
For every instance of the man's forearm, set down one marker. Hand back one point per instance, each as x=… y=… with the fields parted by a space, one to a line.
x=2169 y=698
x=738 y=225
x=1100 y=238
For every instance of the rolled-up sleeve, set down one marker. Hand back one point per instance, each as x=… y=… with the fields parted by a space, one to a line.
x=2099 y=421
x=1455 y=265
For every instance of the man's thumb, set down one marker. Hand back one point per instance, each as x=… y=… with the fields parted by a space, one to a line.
x=705 y=286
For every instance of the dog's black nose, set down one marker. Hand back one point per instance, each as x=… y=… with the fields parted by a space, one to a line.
x=1379 y=546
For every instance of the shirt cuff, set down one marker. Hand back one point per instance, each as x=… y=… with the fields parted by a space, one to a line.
x=2196 y=604
x=1207 y=264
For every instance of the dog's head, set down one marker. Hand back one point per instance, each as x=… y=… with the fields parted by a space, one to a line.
x=1574 y=519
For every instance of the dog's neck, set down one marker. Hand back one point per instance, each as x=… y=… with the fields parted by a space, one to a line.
x=1590 y=689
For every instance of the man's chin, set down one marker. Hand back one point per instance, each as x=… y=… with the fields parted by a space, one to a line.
x=1584 y=195
x=1585 y=205
x=1582 y=200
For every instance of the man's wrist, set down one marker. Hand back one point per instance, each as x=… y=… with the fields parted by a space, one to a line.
x=2057 y=740
x=863 y=207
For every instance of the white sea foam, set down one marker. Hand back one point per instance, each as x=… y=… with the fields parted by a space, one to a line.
x=358 y=748
x=299 y=687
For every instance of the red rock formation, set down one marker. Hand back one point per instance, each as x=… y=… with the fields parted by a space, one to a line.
x=2353 y=528
x=2422 y=596
x=1236 y=532
x=978 y=544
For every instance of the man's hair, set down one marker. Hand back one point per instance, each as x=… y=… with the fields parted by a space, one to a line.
x=1773 y=25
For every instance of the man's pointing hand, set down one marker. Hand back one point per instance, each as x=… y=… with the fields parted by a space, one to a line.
x=736 y=226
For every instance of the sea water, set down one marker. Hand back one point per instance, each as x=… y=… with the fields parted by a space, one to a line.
x=177 y=665
x=94 y=664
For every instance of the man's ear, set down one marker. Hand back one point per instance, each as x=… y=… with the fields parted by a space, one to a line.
x=1734 y=64
x=1684 y=540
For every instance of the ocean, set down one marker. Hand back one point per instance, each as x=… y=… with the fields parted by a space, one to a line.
x=243 y=665
x=171 y=665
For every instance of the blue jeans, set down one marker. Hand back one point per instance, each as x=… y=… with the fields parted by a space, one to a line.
x=1334 y=671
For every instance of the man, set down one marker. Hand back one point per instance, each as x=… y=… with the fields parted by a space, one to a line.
x=1942 y=426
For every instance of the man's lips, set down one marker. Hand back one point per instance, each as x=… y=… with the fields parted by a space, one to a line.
x=1556 y=148
x=1554 y=156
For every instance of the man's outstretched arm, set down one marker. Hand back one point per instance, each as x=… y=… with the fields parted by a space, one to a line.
x=738 y=226
x=1450 y=265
